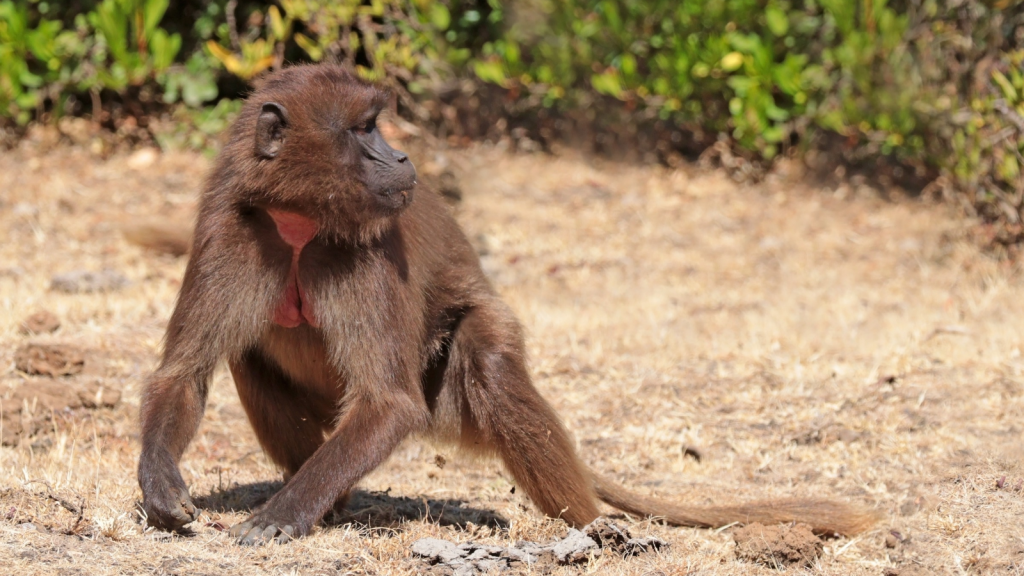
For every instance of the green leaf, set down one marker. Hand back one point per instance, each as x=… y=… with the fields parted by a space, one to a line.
x=152 y=12
x=163 y=49
x=732 y=61
x=1009 y=169
x=611 y=16
x=172 y=88
x=1008 y=90
x=112 y=25
x=745 y=43
x=773 y=112
x=27 y=100
x=742 y=84
x=607 y=82
x=439 y=16
x=490 y=71
x=777 y=20
x=773 y=134
x=277 y=25
x=310 y=46
x=199 y=89
x=628 y=64
x=29 y=79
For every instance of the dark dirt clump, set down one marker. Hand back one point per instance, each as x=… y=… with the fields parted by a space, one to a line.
x=49 y=359
x=85 y=281
x=777 y=546
x=41 y=322
x=28 y=408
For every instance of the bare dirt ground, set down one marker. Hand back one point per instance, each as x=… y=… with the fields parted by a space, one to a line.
x=801 y=341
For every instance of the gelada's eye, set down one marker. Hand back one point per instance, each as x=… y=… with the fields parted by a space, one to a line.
x=364 y=127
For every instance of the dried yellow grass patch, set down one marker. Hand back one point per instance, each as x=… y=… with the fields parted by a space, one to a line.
x=802 y=343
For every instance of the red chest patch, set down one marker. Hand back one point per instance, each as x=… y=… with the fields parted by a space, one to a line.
x=294 y=308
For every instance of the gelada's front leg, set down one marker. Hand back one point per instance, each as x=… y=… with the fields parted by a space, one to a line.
x=368 y=432
x=171 y=409
x=165 y=497
x=207 y=324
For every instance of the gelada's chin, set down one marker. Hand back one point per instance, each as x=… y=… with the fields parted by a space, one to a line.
x=394 y=201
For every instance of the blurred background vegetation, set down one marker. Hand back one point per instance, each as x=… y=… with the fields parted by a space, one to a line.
x=924 y=94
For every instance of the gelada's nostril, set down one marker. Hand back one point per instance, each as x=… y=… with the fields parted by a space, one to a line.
x=401 y=156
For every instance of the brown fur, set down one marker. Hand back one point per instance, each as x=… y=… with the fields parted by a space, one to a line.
x=411 y=337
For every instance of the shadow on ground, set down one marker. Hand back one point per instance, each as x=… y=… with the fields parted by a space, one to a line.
x=369 y=509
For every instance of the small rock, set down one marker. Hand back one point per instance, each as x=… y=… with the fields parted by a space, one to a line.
x=521 y=555
x=911 y=506
x=98 y=395
x=607 y=534
x=31 y=406
x=84 y=281
x=41 y=322
x=49 y=359
x=436 y=549
x=636 y=546
x=24 y=209
x=575 y=547
x=486 y=566
x=693 y=452
x=610 y=536
x=486 y=244
x=472 y=547
x=142 y=158
x=448 y=187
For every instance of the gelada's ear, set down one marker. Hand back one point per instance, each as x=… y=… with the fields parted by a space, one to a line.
x=270 y=128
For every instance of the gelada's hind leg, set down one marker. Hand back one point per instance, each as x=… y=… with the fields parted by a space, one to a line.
x=289 y=423
x=507 y=414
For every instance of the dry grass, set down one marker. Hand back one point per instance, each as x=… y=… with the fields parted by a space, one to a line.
x=803 y=343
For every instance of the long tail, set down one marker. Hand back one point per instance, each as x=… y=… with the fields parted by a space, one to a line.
x=824 y=517
x=169 y=236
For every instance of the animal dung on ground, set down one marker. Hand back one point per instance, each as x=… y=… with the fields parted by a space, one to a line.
x=777 y=546
x=42 y=322
x=575 y=548
x=49 y=359
x=611 y=536
x=86 y=281
x=28 y=408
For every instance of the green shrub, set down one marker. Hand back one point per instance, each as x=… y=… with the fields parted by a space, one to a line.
x=116 y=46
x=936 y=85
x=762 y=71
x=382 y=39
x=37 y=60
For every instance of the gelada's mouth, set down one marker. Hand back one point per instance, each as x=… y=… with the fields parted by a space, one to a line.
x=394 y=197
